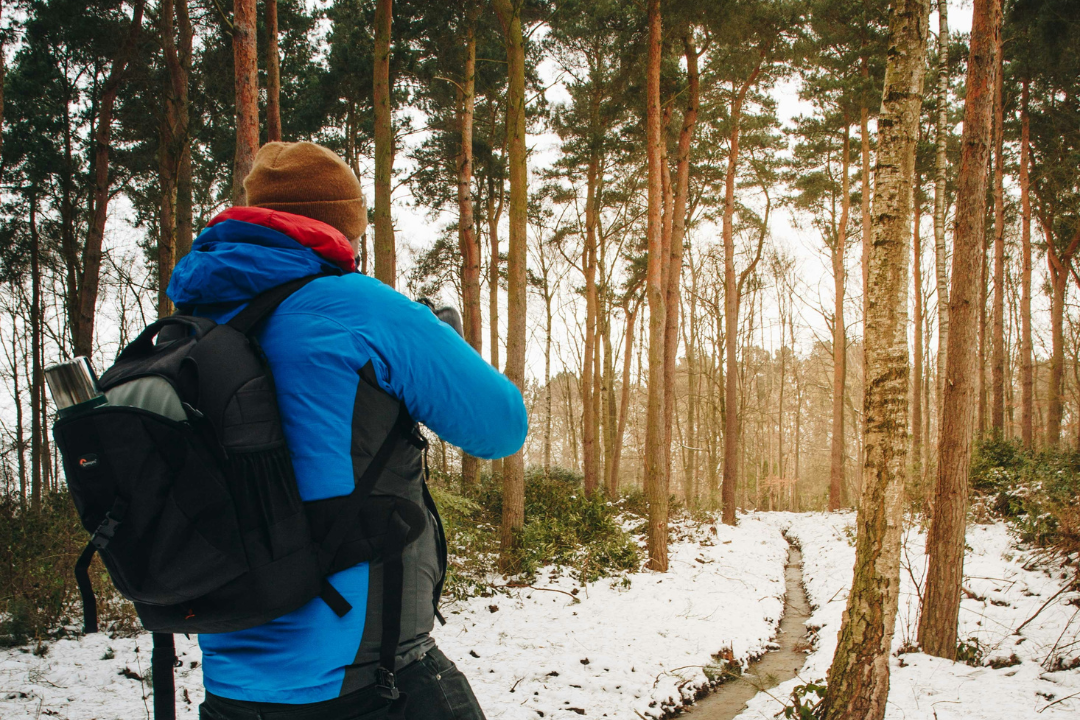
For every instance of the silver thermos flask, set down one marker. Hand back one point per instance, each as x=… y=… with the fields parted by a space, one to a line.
x=74 y=387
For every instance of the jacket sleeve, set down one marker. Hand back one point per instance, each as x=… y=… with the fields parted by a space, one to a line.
x=442 y=380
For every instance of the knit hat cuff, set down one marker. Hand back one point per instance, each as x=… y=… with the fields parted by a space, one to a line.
x=348 y=216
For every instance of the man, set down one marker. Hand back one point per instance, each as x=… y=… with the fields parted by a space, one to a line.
x=342 y=349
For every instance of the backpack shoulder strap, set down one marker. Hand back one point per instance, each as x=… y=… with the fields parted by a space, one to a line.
x=265 y=303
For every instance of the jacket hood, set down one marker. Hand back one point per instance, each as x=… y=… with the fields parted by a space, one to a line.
x=246 y=251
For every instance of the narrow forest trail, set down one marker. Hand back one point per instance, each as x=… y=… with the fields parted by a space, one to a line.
x=775 y=666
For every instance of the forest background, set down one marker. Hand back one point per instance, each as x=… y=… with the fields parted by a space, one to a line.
x=661 y=231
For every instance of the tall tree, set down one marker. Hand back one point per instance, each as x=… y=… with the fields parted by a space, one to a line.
x=174 y=145
x=1027 y=383
x=509 y=13
x=997 y=344
x=747 y=74
x=467 y=240
x=917 y=408
x=654 y=472
x=83 y=328
x=245 y=62
x=385 y=251
x=672 y=298
x=945 y=542
x=273 y=75
x=36 y=426
x=941 y=140
x=858 y=684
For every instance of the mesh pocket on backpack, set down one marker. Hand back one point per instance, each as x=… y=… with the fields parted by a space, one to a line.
x=177 y=536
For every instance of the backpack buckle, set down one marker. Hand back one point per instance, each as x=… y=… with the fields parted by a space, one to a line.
x=105 y=531
x=385 y=683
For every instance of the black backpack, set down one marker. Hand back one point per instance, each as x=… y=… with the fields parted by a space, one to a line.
x=186 y=485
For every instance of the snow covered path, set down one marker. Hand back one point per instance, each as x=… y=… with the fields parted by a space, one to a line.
x=1003 y=594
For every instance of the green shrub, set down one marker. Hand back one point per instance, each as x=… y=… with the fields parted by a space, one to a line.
x=38 y=594
x=1037 y=492
x=563 y=527
x=566 y=527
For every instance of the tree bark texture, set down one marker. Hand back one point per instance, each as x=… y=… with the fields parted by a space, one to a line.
x=245 y=60
x=672 y=300
x=385 y=252
x=997 y=356
x=941 y=140
x=624 y=402
x=731 y=313
x=36 y=473
x=858 y=684
x=1058 y=264
x=839 y=250
x=513 y=515
x=945 y=541
x=494 y=212
x=467 y=242
x=180 y=72
x=83 y=329
x=174 y=148
x=1027 y=385
x=273 y=75
x=589 y=420
x=654 y=470
x=917 y=361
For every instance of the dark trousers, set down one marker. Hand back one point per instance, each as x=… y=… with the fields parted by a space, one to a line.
x=435 y=687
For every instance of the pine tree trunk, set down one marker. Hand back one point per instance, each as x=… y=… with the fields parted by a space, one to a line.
x=1059 y=281
x=513 y=514
x=945 y=541
x=83 y=329
x=610 y=411
x=839 y=250
x=654 y=470
x=997 y=359
x=1027 y=382
x=731 y=313
x=166 y=249
x=941 y=139
x=867 y=190
x=245 y=60
x=672 y=301
x=917 y=362
x=548 y=322
x=385 y=252
x=36 y=428
x=467 y=244
x=624 y=403
x=273 y=75
x=858 y=684
x=980 y=419
x=180 y=71
x=588 y=264
x=494 y=212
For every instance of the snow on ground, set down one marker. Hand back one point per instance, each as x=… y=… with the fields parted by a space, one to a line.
x=1003 y=589
x=623 y=652
x=619 y=648
x=638 y=646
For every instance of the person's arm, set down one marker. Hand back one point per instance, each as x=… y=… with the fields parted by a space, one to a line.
x=443 y=382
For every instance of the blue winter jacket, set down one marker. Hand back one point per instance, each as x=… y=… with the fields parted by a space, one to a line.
x=317 y=342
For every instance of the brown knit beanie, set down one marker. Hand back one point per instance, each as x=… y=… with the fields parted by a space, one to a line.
x=307 y=179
